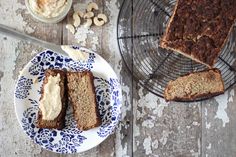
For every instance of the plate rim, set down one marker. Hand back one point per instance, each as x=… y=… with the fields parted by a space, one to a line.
x=24 y=69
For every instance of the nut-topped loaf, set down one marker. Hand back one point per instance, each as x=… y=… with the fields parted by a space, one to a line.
x=195 y=85
x=199 y=29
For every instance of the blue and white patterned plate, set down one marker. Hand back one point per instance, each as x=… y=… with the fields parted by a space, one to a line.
x=70 y=139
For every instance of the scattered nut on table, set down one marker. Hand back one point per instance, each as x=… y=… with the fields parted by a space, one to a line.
x=88 y=15
x=92 y=6
x=76 y=18
x=100 y=20
x=88 y=23
x=80 y=13
x=71 y=28
x=103 y=17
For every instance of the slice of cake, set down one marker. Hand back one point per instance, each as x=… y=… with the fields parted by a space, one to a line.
x=195 y=85
x=82 y=96
x=199 y=29
x=53 y=101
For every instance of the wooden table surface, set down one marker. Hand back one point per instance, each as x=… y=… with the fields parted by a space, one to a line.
x=149 y=126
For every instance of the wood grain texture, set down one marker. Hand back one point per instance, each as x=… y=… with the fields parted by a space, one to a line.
x=149 y=125
x=21 y=54
x=91 y=39
x=219 y=125
x=165 y=129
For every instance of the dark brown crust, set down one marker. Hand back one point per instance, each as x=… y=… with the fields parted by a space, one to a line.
x=163 y=39
x=213 y=69
x=205 y=95
x=59 y=122
x=200 y=29
x=90 y=75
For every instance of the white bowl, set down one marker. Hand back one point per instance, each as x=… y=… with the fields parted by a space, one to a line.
x=56 y=19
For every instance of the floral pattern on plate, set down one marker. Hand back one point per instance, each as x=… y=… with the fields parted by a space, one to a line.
x=70 y=139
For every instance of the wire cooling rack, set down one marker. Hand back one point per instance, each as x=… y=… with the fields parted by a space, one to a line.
x=141 y=23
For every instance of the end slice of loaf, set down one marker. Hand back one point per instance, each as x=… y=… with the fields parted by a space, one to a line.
x=195 y=85
x=200 y=29
x=82 y=96
x=59 y=121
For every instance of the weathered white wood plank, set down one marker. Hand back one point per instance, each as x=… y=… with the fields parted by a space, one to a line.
x=124 y=131
x=84 y=35
x=13 y=141
x=149 y=126
x=165 y=129
x=219 y=125
x=94 y=38
x=15 y=54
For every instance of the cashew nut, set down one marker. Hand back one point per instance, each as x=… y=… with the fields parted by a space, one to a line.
x=71 y=28
x=80 y=13
x=103 y=17
x=100 y=20
x=88 y=23
x=88 y=15
x=92 y=6
x=76 y=19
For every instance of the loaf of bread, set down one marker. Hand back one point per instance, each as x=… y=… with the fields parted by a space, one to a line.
x=199 y=29
x=82 y=96
x=195 y=85
x=53 y=101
